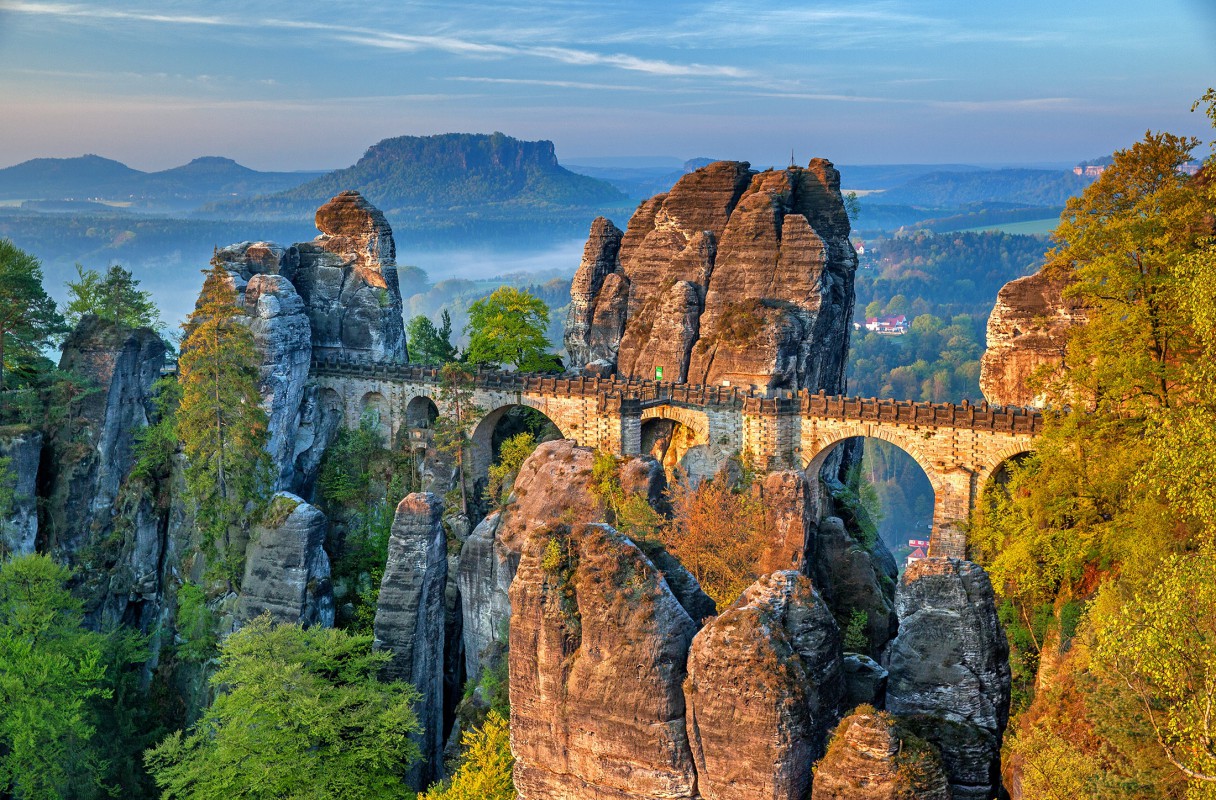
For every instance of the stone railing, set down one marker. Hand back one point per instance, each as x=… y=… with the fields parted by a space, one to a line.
x=775 y=401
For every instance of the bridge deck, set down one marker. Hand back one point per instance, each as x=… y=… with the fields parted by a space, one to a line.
x=981 y=417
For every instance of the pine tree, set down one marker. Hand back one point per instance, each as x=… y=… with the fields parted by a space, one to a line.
x=28 y=317
x=221 y=422
x=115 y=297
x=429 y=344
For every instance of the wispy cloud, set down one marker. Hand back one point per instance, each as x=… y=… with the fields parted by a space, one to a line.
x=390 y=40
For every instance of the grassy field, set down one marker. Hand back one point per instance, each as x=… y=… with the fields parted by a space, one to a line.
x=1030 y=227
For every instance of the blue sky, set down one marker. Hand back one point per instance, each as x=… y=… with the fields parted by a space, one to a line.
x=309 y=85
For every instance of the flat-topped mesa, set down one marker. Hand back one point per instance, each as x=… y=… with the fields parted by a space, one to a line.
x=733 y=277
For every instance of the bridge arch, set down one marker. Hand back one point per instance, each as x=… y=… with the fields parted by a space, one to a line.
x=376 y=405
x=679 y=438
x=421 y=412
x=952 y=488
x=485 y=437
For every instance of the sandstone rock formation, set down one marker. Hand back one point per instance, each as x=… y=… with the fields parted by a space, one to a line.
x=853 y=578
x=865 y=682
x=410 y=619
x=92 y=450
x=553 y=484
x=763 y=691
x=597 y=649
x=1027 y=331
x=789 y=521
x=287 y=571
x=872 y=758
x=283 y=336
x=348 y=279
x=949 y=670
x=19 y=528
x=732 y=276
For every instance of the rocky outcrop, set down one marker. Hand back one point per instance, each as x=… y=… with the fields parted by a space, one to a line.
x=949 y=670
x=283 y=336
x=789 y=521
x=597 y=650
x=92 y=449
x=348 y=279
x=1027 y=331
x=872 y=758
x=732 y=276
x=554 y=484
x=855 y=579
x=287 y=573
x=763 y=691
x=484 y=580
x=865 y=682
x=19 y=522
x=600 y=259
x=410 y=619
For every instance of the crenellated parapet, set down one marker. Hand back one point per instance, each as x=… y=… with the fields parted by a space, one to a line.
x=959 y=445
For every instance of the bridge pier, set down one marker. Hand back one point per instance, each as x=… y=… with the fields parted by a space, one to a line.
x=953 y=495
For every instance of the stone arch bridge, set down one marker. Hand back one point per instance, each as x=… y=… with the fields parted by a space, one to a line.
x=959 y=446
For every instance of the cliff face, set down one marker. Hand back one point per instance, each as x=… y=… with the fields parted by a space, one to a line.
x=19 y=529
x=92 y=449
x=410 y=619
x=286 y=568
x=949 y=670
x=597 y=652
x=763 y=691
x=1027 y=331
x=733 y=276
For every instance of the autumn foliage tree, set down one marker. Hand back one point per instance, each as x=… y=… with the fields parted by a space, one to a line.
x=221 y=423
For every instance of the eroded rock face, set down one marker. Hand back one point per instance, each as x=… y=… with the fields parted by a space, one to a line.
x=871 y=758
x=852 y=578
x=287 y=572
x=599 y=260
x=19 y=530
x=763 y=691
x=1027 y=331
x=949 y=670
x=733 y=276
x=92 y=458
x=410 y=619
x=283 y=335
x=553 y=485
x=789 y=521
x=597 y=650
x=347 y=277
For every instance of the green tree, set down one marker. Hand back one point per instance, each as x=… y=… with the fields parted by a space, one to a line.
x=485 y=766
x=429 y=344
x=514 y=453
x=508 y=327
x=115 y=297
x=299 y=713
x=458 y=413
x=1161 y=644
x=220 y=419
x=29 y=320
x=52 y=678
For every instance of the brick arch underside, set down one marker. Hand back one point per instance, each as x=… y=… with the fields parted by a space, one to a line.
x=695 y=421
x=483 y=431
x=817 y=453
x=1001 y=457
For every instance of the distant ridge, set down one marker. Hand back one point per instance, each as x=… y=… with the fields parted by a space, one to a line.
x=447 y=172
x=89 y=177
